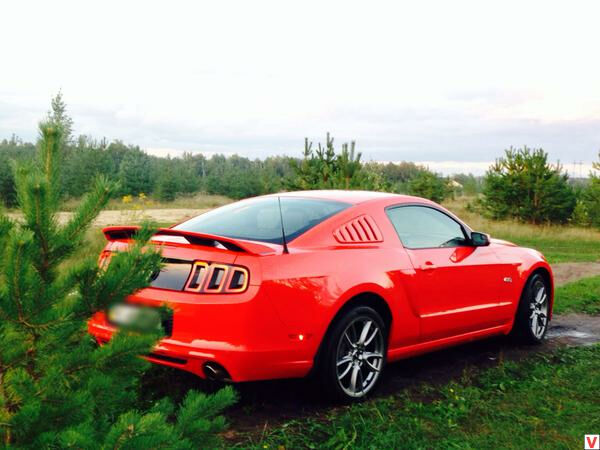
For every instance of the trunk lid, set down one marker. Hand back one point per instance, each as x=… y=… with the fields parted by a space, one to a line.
x=192 y=258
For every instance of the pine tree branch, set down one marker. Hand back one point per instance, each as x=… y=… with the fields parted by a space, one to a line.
x=42 y=238
x=111 y=357
x=16 y=281
x=89 y=209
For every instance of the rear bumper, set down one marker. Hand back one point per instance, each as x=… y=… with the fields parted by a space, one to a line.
x=241 y=333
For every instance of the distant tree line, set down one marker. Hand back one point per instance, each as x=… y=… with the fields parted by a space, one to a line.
x=521 y=185
x=232 y=176
x=84 y=158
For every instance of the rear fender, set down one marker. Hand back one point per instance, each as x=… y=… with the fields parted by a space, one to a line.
x=404 y=326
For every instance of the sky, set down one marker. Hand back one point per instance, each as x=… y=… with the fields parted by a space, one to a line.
x=448 y=84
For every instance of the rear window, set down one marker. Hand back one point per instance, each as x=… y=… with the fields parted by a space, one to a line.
x=258 y=219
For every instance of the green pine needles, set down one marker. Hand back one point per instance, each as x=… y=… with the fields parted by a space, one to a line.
x=522 y=185
x=323 y=168
x=57 y=388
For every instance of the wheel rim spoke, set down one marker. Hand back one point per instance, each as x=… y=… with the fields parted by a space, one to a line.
x=371 y=365
x=345 y=372
x=362 y=379
x=346 y=359
x=370 y=339
x=354 y=377
x=364 y=333
x=349 y=340
x=538 y=296
x=372 y=355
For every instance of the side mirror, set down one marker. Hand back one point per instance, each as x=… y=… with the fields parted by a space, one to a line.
x=479 y=239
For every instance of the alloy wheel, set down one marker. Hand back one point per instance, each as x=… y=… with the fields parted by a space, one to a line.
x=360 y=354
x=538 y=318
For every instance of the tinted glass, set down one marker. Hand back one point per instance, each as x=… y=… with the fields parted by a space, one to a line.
x=422 y=227
x=173 y=275
x=259 y=219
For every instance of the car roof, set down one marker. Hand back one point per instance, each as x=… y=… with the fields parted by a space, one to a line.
x=353 y=197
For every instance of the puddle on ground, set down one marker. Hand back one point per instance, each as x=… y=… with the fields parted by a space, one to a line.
x=558 y=332
x=575 y=329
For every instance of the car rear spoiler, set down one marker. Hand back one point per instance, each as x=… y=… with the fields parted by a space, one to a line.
x=120 y=233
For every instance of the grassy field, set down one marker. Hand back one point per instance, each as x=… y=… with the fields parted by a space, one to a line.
x=558 y=243
x=141 y=202
x=582 y=296
x=528 y=404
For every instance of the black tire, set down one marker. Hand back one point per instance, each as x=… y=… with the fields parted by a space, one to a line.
x=523 y=328
x=337 y=347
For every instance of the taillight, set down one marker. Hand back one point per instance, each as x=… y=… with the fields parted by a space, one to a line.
x=217 y=278
x=104 y=259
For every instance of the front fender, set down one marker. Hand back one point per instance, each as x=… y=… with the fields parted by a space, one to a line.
x=534 y=267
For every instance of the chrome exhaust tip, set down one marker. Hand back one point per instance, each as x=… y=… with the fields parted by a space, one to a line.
x=215 y=372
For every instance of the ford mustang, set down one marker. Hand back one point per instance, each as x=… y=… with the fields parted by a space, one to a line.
x=330 y=283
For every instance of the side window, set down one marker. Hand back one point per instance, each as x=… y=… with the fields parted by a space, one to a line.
x=423 y=227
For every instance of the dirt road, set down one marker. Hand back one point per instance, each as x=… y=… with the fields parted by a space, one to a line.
x=132 y=216
x=573 y=271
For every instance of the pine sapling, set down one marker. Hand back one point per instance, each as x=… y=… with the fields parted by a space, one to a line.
x=57 y=387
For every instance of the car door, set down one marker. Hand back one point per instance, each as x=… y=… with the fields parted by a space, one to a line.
x=455 y=287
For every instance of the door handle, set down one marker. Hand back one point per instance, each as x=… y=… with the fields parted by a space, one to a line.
x=428 y=266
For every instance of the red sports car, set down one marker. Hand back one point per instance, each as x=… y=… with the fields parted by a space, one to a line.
x=334 y=283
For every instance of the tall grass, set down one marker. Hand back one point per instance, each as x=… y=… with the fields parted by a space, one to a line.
x=141 y=202
x=559 y=243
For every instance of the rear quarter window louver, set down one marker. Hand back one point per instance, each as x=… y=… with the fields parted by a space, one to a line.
x=360 y=230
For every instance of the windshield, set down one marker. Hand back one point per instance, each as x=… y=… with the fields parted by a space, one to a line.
x=259 y=219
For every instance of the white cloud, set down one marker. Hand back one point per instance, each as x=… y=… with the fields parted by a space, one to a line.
x=439 y=81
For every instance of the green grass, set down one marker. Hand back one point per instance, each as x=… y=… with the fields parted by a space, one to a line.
x=557 y=250
x=546 y=402
x=581 y=296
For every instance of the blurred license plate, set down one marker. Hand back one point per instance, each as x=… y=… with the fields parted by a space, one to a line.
x=133 y=316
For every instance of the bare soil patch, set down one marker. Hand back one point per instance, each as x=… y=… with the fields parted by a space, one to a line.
x=162 y=216
x=573 y=271
x=132 y=216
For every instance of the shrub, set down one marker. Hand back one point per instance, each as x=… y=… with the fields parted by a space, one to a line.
x=323 y=168
x=524 y=186
x=580 y=216
x=429 y=185
x=8 y=196
x=591 y=196
x=135 y=173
